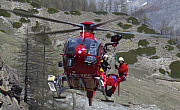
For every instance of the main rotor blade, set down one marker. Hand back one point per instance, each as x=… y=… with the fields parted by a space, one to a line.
x=100 y=24
x=58 y=32
x=44 y=18
x=137 y=33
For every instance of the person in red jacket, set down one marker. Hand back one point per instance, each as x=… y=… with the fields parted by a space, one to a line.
x=122 y=70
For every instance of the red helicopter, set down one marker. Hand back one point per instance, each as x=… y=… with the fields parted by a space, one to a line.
x=81 y=56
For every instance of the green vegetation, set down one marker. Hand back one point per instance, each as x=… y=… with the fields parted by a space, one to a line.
x=4 y=13
x=101 y=12
x=129 y=57
x=169 y=48
x=119 y=13
x=108 y=35
x=124 y=26
x=146 y=29
x=143 y=42
x=133 y=20
x=3 y=31
x=97 y=20
x=36 y=28
x=67 y=13
x=171 y=42
x=178 y=46
x=36 y=5
x=146 y=50
x=33 y=11
x=22 y=10
x=178 y=55
x=162 y=71
x=17 y=24
x=23 y=1
x=127 y=36
x=154 y=57
x=24 y=20
x=52 y=11
x=175 y=69
x=75 y=12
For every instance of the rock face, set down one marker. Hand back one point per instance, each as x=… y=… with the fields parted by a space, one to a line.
x=8 y=99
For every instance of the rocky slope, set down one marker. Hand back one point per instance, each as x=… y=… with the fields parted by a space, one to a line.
x=144 y=88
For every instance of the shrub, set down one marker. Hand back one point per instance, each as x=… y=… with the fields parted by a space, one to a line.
x=133 y=20
x=154 y=57
x=162 y=71
x=101 y=12
x=129 y=57
x=169 y=48
x=97 y=20
x=36 y=28
x=127 y=36
x=17 y=24
x=171 y=42
x=24 y=20
x=3 y=31
x=23 y=1
x=146 y=29
x=146 y=50
x=75 y=12
x=143 y=42
x=15 y=9
x=178 y=46
x=119 y=13
x=108 y=35
x=36 y=5
x=66 y=13
x=175 y=69
x=4 y=13
x=33 y=11
x=124 y=26
x=52 y=11
x=178 y=55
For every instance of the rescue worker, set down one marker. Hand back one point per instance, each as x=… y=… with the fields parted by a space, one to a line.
x=122 y=70
x=104 y=64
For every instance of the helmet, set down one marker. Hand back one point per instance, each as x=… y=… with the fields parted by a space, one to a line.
x=105 y=56
x=121 y=58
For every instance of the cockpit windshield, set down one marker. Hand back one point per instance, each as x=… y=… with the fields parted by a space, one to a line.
x=92 y=47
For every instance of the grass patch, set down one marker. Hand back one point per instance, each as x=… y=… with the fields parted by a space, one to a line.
x=119 y=13
x=24 y=20
x=178 y=55
x=146 y=29
x=148 y=51
x=124 y=26
x=169 y=48
x=36 y=5
x=4 y=13
x=154 y=57
x=171 y=42
x=143 y=42
x=133 y=20
x=67 y=13
x=108 y=35
x=127 y=36
x=97 y=20
x=162 y=71
x=75 y=12
x=17 y=24
x=52 y=11
x=101 y=12
x=175 y=69
x=22 y=10
x=3 y=31
x=129 y=57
